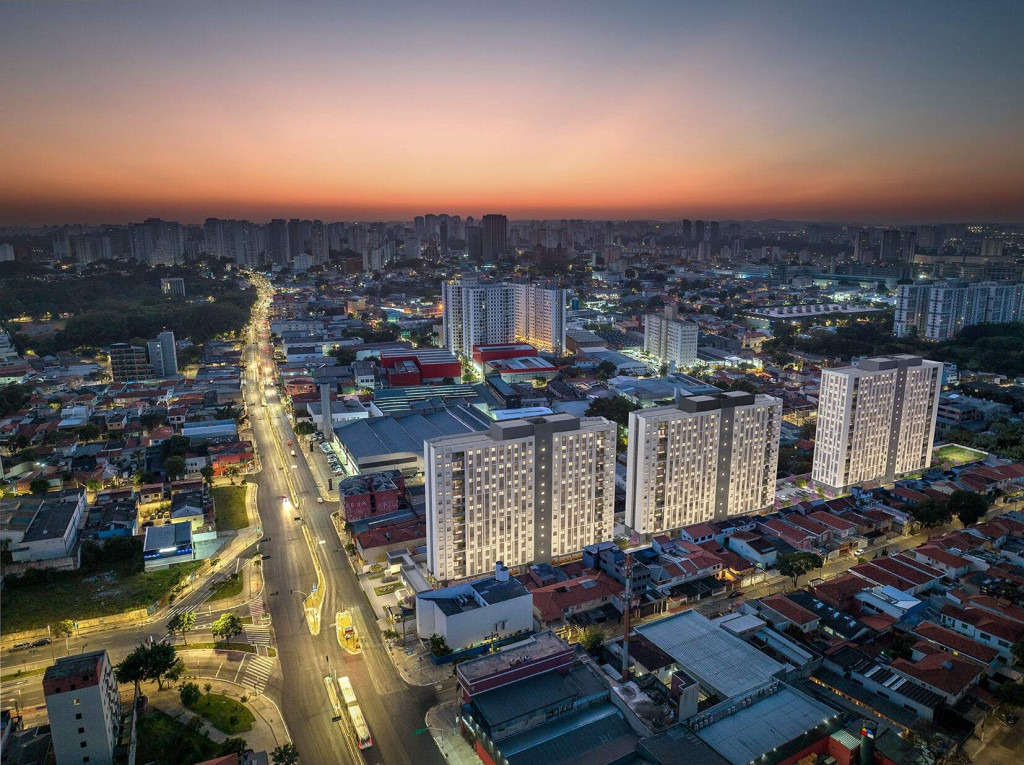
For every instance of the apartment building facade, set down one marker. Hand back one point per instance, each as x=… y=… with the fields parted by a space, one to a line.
x=478 y=313
x=670 y=340
x=84 y=708
x=703 y=458
x=876 y=421
x=939 y=311
x=525 y=491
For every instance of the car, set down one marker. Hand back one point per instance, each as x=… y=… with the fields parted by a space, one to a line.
x=859 y=551
x=289 y=443
x=736 y=594
x=1011 y=718
x=40 y=642
x=20 y=646
x=319 y=500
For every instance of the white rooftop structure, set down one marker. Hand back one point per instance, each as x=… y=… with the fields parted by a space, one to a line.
x=717 y=659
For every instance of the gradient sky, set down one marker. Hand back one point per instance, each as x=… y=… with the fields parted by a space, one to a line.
x=872 y=111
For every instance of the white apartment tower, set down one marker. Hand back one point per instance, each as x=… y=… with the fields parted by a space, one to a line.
x=84 y=708
x=525 y=491
x=703 y=458
x=479 y=312
x=939 y=311
x=670 y=340
x=163 y=355
x=876 y=421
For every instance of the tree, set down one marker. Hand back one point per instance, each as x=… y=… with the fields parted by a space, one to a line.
x=189 y=694
x=232 y=471
x=304 y=428
x=151 y=420
x=1018 y=652
x=902 y=645
x=931 y=512
x=175 y=446
x=161 y=659
x=227 y=626
x=89 y=432
x=592 y=638
x=93 y=485
x=132 y=668
x=795 y=565
x=228 y=412
x=439 y=646
x=207 y=474
x=616 y=409
x=13 y=397
x=182 y=622
x=968 y=506
x=65 y=628
x=176 y=671
x=174 y=467
x=605 y=370
x=39 y=486
x=1011 y=693
x=285 y=754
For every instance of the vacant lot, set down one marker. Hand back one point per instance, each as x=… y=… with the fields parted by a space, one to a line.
x=165 y=741
x=42 y=598
x=227 y=588
x=229 y=506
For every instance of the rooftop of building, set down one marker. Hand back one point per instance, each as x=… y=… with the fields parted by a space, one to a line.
x=718 y=660
x=766 y=725
x=595 y=735
x=537 y=647
x=547 y=689
x=407 y=432
x=84 y=665
x=472 y=595
x=52 y=519
x=167 y=536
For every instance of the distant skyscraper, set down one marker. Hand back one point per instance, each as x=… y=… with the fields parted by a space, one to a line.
x=163 y=355
x=862 y=250
x=318 y=242
x=939 y=311
x=6 y=252
x=712 y=233
x=701 y=459
x=698 y=231
x=277 y=241
x=687 y=229
x=889 y=252
x=526 y=491
x=670 y=340
x=495 y=233
x=475 y=243
x=84 y=708
x=908 y=246
x=876 y=421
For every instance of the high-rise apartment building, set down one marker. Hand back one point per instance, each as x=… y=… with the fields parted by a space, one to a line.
x=698 y=230
x=890 y=249
x=278 y=247
x=235 y=240
x=526 y=491
x=495 y=237
x=84 y=708
x=163 y=356
x=670 y=340
x=939 y=311
x=475 y=243
x=476 y=313
x=703 y=458
x=157 y=242
x=128 y=363
x=876 y=421
x=863 y=252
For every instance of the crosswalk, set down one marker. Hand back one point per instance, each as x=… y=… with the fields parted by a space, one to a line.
x=256 y=609
x=179 y=609
x=257 y=670
x=257 y=634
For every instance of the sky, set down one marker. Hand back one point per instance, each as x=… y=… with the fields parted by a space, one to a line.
x=867 y=111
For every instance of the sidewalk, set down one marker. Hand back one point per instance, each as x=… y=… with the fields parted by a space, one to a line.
x=415 y=667
x=443 y=726
x=268 y=731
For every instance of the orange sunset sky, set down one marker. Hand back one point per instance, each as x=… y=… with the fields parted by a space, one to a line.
x=880 y=112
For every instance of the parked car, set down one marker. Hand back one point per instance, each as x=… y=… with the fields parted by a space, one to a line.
x=859 y=551
x=40 y=642
x=319 y=500
x=736 y=594
x=20 y=646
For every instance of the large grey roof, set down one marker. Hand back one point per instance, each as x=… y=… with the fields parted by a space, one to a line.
x=718 y=660
x=404 y=433
x=517 y=699
x=767 y=724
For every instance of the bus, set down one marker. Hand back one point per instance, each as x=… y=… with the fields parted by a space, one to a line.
x=348 y=696
x=363 y=738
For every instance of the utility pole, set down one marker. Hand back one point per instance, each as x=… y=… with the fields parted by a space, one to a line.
x=628 y=571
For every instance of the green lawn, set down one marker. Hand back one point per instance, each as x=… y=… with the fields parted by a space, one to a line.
x=224 y=713
x=229 y=507
x=227 y=588
x=38 y=599
x=954 y=455
x=165 y=741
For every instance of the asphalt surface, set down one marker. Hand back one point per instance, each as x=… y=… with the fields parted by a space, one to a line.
x=393 y=709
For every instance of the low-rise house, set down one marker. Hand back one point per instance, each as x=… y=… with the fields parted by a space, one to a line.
x=951 y=641
x=781 y=612
x=475 y=612
x=984 y=627
x=53 y=531
x=946 y=674
x=753 y=547
x=949 y=563
x=556 y=603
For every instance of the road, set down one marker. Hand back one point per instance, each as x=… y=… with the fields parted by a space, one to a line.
x=393 y=710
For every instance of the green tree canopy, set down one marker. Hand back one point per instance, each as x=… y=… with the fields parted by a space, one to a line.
x=968 y=506
x=795 y=565
x=227 y=626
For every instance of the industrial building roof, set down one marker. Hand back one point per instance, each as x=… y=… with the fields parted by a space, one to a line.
x=547 y=689
x=718 y=660
x=51 y=520
x=765 y=725
x=170 y=535
x=406 y=433
x=472 y=595
x=595 y=735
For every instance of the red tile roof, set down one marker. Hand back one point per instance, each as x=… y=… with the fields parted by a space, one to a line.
x=950 y=674
x=956 y=642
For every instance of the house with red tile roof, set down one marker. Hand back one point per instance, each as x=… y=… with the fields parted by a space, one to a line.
x=986 y=628
x=557 y=602
x=841 y=528
x=949 y=563
x=797 y=537
x=949 y=641
x=780 y=612
x=948 y=675
x=840 y=593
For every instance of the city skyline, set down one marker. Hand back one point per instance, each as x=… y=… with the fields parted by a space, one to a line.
x=702 y=111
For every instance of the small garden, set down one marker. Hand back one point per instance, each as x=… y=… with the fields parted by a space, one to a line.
x=224 y=713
